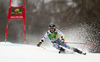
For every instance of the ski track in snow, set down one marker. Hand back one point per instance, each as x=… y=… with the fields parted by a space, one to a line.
x=10 y=52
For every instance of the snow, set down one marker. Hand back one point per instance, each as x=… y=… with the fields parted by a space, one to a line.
x=10 y=52
x=46 y=1
x=71 y=3
x=58 y=10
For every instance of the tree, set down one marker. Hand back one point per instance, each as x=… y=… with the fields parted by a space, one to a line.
x=3 y=20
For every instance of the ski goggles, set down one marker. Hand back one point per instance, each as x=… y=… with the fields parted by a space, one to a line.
x=51 y=27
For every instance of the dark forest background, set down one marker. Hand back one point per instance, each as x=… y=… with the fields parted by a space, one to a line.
x=70 y=16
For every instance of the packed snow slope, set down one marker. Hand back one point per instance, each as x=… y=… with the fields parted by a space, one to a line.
x=10 y=52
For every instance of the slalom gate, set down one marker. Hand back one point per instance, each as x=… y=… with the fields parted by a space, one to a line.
x=16 y=13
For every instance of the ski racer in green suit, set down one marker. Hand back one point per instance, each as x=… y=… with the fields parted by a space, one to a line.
x=53 y=34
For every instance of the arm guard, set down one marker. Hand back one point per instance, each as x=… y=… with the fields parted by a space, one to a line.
x=41 y=41
x=63 y=37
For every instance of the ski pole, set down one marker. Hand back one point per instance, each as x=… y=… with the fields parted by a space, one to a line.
x=43 y=47
x=79 y=43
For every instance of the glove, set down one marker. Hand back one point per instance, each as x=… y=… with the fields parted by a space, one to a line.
x=39 y=44
x=62 y=41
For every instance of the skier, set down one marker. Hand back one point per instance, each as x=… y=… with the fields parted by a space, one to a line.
x=53 y=35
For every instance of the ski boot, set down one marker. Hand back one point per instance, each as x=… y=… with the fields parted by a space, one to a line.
x=84 y=53
x=62 y=50
x=78 y=51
